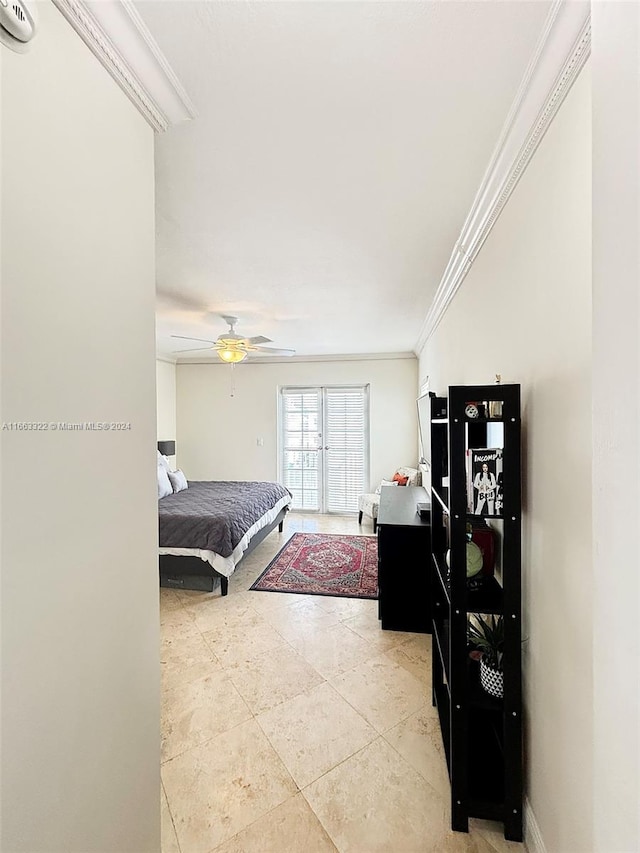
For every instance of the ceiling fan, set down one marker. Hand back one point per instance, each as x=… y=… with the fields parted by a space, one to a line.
x=233 y=348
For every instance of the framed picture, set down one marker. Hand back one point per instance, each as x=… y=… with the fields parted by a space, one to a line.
x=484 y=481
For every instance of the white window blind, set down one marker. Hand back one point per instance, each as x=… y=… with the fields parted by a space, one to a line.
x=346 y=436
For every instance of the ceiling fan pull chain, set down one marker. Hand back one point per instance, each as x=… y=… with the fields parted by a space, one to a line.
x=233 y=380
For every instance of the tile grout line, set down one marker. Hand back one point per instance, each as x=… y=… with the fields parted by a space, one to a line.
x=253 y=822
x=226 y=669
x=419 y=772
x=339 y=764
x=173 y=823
x=325 y=679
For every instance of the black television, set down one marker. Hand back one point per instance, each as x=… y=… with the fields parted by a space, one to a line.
x=424 y=426
x=431 y=405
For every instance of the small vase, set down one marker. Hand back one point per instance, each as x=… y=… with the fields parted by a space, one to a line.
x=492 y=679
x=495 y=408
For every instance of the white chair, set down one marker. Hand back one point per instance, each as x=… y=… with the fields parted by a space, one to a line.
x=369 y=503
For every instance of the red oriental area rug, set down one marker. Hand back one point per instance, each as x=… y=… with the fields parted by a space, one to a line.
x=324 y=564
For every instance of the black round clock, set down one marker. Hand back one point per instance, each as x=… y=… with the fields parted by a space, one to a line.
x=471 y=410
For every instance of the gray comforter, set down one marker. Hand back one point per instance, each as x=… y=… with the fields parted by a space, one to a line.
x=215 y=515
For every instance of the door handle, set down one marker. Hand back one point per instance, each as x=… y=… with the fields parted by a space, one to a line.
x=326 y=448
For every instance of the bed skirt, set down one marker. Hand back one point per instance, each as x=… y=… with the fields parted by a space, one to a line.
x=191 y=571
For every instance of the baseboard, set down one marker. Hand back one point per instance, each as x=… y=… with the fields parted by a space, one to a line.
x=532 y=836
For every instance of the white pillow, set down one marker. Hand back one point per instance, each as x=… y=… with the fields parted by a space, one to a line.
x=412 y=473
x=386 y=483
x=162 y=460
x=164 y=483
x=178 y=480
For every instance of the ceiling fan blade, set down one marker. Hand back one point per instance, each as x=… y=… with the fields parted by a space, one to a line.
x=249 y=342
x=197 y=349
x=186 y=338
x=272 y=350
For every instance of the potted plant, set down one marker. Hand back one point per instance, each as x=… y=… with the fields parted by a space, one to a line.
x=487 y=635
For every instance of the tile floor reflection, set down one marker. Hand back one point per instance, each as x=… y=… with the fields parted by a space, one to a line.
x=294 y=724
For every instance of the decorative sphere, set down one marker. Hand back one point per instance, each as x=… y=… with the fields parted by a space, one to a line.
x=474 y=559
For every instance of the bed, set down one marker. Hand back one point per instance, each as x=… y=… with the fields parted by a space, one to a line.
x=205 y=530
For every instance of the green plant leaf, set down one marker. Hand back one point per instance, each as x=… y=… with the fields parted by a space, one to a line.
x=487 y=635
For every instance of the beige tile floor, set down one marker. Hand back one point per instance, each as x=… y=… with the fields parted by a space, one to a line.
x=294 y=724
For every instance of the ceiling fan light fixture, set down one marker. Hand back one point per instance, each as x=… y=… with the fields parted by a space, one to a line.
x=232 y=348
x=232 y=355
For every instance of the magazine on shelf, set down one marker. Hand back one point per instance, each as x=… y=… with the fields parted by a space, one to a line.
x=484 y=481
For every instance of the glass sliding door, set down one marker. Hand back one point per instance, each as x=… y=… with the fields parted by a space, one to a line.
x=324 y=446
x=301 y=446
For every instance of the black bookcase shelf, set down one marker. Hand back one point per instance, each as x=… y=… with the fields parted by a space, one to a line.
x=441 y=635
x=442 y=497
x=441 y=573
x=482 y=735
x=471 y=516
x=489 y=598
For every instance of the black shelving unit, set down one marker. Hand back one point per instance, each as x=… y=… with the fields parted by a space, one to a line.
x=482 y=735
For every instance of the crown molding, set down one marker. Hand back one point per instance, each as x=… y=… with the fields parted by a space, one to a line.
x=303 y=359
x=118 y=37
x=560 y=54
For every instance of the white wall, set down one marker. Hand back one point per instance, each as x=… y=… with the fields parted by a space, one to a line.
x=217 y=433
x=524 y=311
x=80 y=659
x=166 y=400
x=616 y=391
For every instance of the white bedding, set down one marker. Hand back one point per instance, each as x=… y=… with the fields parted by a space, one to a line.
x=226 y=565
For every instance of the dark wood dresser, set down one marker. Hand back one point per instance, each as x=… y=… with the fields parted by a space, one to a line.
x=404 y=551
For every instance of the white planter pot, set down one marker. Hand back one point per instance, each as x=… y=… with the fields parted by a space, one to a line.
x=492 y=679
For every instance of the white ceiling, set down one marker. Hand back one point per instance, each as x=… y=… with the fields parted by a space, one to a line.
x=337 y=149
